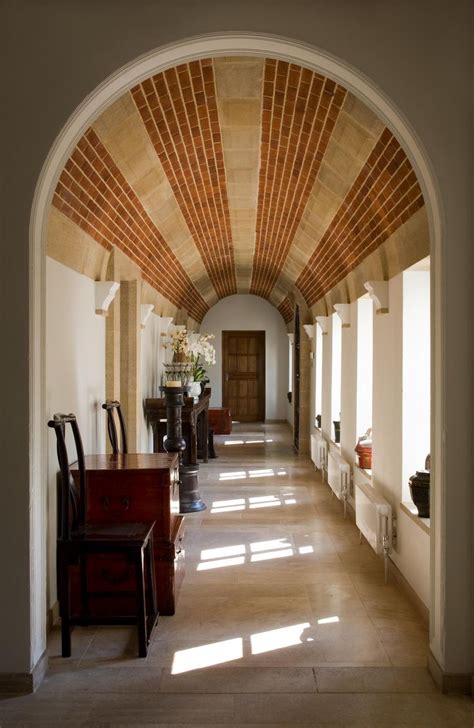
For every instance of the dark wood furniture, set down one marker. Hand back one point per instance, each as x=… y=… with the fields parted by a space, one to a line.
x=195 y=426
x=189 y=496
x=129 y=487
x=212 y=449
x=111 y=406
x=220 y=420
x=81 y=538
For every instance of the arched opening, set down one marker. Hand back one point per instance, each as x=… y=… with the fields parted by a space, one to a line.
x=225 y=45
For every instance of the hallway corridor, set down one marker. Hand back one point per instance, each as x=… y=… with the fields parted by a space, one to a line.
x=283 y=620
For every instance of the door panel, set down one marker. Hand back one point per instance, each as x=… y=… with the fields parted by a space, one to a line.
x=243 y=374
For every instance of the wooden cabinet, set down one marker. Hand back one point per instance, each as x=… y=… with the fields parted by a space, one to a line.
x=135 y=488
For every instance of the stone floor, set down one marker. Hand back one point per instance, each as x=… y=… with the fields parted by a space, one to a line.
x=284 y=619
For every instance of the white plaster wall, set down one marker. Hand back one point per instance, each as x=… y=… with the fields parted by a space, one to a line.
x=412 y=554
x=349 y=367
x=75 y=375
x=326 y=406
x=388 y=396
x=251 y=313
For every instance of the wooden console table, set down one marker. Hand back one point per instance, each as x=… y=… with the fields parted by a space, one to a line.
x=195 y=418
x=135 y=488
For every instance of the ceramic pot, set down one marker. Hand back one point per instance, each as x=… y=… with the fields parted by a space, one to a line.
x=420 y=492
x=364 y=454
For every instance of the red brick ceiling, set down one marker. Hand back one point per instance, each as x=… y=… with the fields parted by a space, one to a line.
x=179 y=110
x=179 y=115
x=300 y=109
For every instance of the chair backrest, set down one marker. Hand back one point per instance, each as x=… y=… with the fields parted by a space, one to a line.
x=73 y=503
x=110 y=406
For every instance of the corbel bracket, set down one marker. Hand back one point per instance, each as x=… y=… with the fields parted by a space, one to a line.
x=323 y=322
x=145 y=311
x=104 y=295
x=343 y=310
x=378 y=291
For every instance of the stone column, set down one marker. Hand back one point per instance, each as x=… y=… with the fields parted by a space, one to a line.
x=130 y=389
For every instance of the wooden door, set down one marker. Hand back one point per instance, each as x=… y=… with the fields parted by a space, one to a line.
x=243 y=374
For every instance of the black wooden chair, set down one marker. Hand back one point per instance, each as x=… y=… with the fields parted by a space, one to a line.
x=77 y=540
x=110 y=406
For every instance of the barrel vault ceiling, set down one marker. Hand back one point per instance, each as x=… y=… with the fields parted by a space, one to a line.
x=239 y=175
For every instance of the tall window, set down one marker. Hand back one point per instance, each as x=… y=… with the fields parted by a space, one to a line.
x=290 y=363
x=318 y=365
x=416 y=372
x=365 y=338
x=336 y=372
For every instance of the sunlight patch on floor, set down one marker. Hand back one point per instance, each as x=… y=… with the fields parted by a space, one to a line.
x=232 y=561
x=247 y=442
x=215 y=653
x=250 y=474
x=277 y=639
x=328 y=620
x=259 y=551
x=252 y=502
x=267 y=555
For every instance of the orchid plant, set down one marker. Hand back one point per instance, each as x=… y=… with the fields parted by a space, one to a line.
x=201 y=351
x=197 y=349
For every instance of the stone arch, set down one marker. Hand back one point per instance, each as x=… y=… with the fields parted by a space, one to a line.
x=239 y=44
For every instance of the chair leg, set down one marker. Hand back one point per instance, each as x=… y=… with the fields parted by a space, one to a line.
x=141 y=606
x=64 y=605
x=152 y=584
x=84 y=589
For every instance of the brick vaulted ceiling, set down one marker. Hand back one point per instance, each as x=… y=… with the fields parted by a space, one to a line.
x=239 y=175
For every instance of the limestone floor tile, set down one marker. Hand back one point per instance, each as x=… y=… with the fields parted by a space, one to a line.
x=240 y=680
x=417 y=711
x=374 y=680
x=104 y=680
x=331 y=599
x=80 y=641
x=278 y=602
x=41 y=709
x=116 y=646
x=163 y=708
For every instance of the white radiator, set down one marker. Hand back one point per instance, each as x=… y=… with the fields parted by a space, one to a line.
x=374 y=519
x=319 y=451
x=339 y=476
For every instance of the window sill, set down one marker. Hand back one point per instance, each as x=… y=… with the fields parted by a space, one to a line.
x=411 y=511
x=367 y=473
